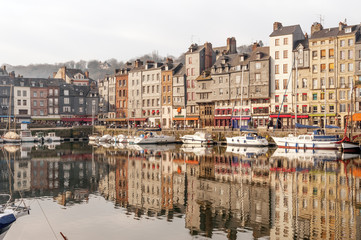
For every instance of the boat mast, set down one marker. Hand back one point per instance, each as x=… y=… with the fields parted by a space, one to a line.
x=240 y=116
x=9 y=112
x=296 y=86
x=324 y=96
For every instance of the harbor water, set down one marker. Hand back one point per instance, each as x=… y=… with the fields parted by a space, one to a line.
x=115 y=191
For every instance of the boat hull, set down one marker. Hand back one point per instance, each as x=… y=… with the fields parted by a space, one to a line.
x=155 y=140
x=243 y=141
x=297 y=144
x=196 y=141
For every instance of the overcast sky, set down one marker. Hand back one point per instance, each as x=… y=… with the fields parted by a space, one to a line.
x=43 y=31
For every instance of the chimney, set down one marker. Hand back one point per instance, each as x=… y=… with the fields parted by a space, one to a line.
x=306 y=36
x=169 y=60
x=231 y=45
x=86 y=74
x=255 y=46
x=276 y=26
x=12 y=74
x=138 y=63
x=54 y=74
x=208 y=58
x=62 y=72
x=341 y=25
x=3 y=68
x=316 y=27
x=129 y=64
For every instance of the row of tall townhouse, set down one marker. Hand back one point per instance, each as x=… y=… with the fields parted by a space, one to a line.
x=206 y=90
x=48 y=99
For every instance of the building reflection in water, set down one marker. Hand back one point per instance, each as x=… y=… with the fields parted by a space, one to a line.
x=254 y=191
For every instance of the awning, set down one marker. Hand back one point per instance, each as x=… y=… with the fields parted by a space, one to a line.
x=115 y=120
x=322 y=115
x=187 y=119
x=356 y=117
x=137 y=119
x=300 y=116
x=76 y=119
x=222 y=117
x=281 y=116
x=243 y=117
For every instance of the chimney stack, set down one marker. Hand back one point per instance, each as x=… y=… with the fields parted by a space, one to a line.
x=86 y=74
x=208 y=59
x=316 y=27
x=255 y=46
x=54 y=74
x=231 y=45
x=276 y=26
x=341 y=25
x=12 y=74
x=3 y=68
x=169 y=60
x=138 y=63
x=62 y=73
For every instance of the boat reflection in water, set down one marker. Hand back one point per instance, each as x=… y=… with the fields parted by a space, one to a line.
x=233 y=192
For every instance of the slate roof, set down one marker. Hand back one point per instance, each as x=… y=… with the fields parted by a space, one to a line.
x=72 y=72
x=264 y=54
x=304 y=42
x=325 y=33
x=287 y=30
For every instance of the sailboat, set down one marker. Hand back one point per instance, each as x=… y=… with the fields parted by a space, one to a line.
x=10 y=136
x=248 y=139
x=316 y=140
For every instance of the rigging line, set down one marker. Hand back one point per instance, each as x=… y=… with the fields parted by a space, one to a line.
x=47 y=220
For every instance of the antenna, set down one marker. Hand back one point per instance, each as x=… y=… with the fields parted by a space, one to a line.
x=192 y=36
x=322 y=19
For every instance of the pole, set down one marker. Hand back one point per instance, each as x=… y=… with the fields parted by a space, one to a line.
x=240 y=116
x=325 y=118
x=9 y=112
x=296 y=86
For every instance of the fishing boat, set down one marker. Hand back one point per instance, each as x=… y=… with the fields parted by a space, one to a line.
x=51 y=137
x=197 y=138
x=154 y=138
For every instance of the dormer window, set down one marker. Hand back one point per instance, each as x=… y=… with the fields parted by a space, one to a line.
x=242 y=58
x=348 y=30
x=223 y=61
x=258 y=56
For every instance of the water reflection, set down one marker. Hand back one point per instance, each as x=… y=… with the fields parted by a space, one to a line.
x=235 y=192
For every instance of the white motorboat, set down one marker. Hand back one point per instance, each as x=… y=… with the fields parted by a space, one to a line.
x=105 y=138
x=316 y=140
x=153 y=138
x=350 y=146
x=247 y=151
x=125 y=139
x=11 y=137
x=197 y=149
x=51 y=137
x=94 y=137
x=197 y=138
x=248 y=139
x=9 y=213
x=26 y=136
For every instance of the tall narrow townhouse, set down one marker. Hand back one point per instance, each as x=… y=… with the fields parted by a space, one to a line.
x=167 y=91
x=121 y=90
x=282 y=43
x=302 y=75
x=358 y=80
x=323 y=65
x=179 y=97
x=22 y=105
x=53 y=98
x=38 y=97
x=135 y=94
x=346 y=39
x=259 y=85
x=197 y=59
x=205 y=99
x=151 y=93
x=6 y=98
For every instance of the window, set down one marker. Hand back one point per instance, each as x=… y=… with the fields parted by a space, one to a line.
x=24 y=102
x=323 y=67
x=277 y=55
x=322 y=96
x=314 y=68
x=285 y=68
x=323 y=53
x=342 y=67
x=342 y=95
x=285 y=98
x=323 y=82
x=277 y=84
x=277 y=69
x=24 y=93
x=314 y=109
x=220 y=91
x=277 y=42
x=314 y=54
x=19 y=102
x=342 y=55
x=285 y=54
x=285 y=83
x=331 y=67
x=342 y=43
x=190 y=60
x=277 y=98
x=258 y=65
x=35 y=103
x=304 y=82
x=331 y=53
x=331 y=108
x=220 y=80
x=350 y=67
x=66 y=100
x=81 y=109
x=330 y=95
x=66 y=92
x=350 y=54
x=81 y=100
x=50 y=92
x=41 y=94
x=331 y=82
x=35 y=112
x=56 y=92
x=41 y=103
x=342 y=107
x=35 y=94
x=350 y=41
x=304 y=109
x=285 y=41
x=314 y=83
x=342 y=82
x=304 y=97
x=314 y=96
x=258 y=77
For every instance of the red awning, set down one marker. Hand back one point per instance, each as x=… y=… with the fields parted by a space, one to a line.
x=300 y=116
x=304 y=93
x=304 y=105
x=281 y=116
x=222 y=117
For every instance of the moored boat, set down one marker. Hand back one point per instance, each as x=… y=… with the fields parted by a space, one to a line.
x=248 y=139
x=154 y=138
x=197 y=138
x=11 y=137
x=51 y=137
x=26 y=136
